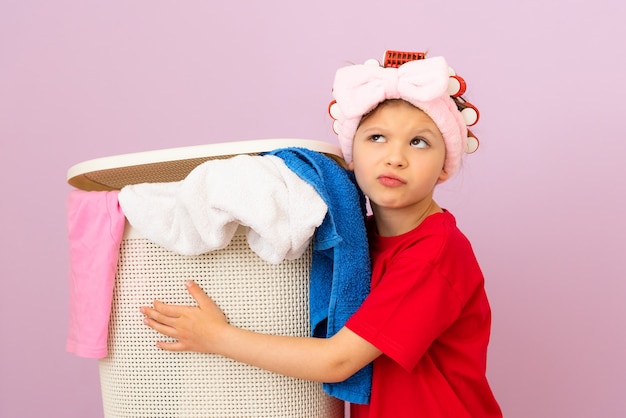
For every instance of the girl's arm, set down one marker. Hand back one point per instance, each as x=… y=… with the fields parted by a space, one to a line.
x=204 y=328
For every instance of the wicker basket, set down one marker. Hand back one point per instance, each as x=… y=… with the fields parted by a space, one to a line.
x=140 y=380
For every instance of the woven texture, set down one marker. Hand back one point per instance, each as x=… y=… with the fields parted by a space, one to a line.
x=139 y=380
x=115 y=179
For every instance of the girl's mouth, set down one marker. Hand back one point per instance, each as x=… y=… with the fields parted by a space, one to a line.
x=390 y=180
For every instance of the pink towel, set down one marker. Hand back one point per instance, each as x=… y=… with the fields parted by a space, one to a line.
x=95 y=226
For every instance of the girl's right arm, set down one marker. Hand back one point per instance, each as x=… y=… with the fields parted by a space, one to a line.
x=204 y=328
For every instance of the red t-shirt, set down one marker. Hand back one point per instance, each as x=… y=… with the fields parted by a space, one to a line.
x=429 y=315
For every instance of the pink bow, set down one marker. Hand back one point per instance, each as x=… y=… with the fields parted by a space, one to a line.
x=359 y=88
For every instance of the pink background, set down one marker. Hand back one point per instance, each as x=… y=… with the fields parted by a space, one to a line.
x=82 y=80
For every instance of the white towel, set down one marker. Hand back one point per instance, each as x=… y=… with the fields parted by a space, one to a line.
x=202 y=212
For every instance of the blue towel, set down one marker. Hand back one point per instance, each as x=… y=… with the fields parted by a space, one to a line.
x=340 y=269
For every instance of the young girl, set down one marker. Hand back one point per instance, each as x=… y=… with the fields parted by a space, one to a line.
x=426 y=322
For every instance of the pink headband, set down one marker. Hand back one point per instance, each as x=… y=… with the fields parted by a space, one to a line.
x=426 y=83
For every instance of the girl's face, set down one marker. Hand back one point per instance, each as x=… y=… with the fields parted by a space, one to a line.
x=398 y=157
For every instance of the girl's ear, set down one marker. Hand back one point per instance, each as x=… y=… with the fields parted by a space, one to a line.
x=443 y=176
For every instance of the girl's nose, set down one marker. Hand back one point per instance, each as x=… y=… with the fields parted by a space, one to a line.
x=395 y=158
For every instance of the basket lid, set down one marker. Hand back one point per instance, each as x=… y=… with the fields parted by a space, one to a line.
x=174 y=164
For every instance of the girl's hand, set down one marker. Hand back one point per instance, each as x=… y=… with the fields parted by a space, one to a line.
x=195 y=328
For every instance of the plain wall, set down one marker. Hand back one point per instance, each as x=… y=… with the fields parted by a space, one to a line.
x=542 y=200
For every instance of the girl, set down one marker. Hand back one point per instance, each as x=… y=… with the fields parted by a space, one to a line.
x=426 y=322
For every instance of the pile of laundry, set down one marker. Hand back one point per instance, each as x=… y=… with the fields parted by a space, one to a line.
x=282 y=200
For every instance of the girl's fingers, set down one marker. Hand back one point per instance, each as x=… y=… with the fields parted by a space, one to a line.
x=160 y=313
x=201 y=298
x=171 y=346
x=161 y=328
x=171 y=311
x=185 y=324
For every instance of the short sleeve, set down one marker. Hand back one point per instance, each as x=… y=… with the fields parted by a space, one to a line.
x=409 y=308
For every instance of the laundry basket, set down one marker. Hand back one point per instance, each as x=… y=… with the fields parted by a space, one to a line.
x=140 y=380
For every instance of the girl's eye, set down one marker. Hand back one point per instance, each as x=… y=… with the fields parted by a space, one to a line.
x=419 y=143
x=377 y=138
